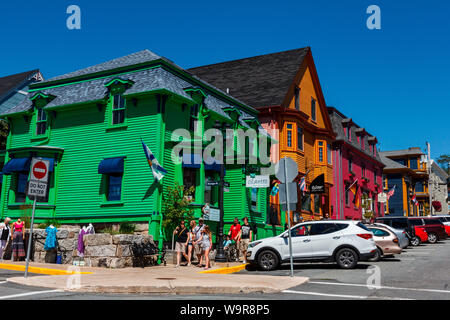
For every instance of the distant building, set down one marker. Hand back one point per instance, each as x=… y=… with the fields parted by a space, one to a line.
x=356 y=163
x=407 y=171
x=438 y=184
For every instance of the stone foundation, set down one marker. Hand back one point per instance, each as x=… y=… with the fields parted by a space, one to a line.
x=101 y=249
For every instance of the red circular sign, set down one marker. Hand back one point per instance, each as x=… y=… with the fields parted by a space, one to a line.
x=39 y=170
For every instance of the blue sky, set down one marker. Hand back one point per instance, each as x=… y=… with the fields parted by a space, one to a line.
x=393 y=81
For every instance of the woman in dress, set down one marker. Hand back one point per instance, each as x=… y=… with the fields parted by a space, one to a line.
x=18 y=236
x=190 y=243
x=206 y=243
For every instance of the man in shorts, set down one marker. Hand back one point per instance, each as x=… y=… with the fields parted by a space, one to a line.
x=198 y=247
x=245 y=237
x=235 y=232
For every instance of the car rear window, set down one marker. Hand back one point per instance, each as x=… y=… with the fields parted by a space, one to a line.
x=359 y=224
x=432 y=221
x=341 y=226
x=398 y=223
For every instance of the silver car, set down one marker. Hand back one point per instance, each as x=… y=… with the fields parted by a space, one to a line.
x=403 y=240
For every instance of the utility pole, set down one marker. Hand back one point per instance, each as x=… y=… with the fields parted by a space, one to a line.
x=429 y=176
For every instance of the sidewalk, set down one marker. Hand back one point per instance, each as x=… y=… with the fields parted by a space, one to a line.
x=158 y=279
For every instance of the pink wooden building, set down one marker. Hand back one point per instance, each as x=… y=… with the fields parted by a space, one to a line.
x=355 y=162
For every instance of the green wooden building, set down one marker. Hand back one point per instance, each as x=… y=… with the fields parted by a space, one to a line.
x=89 y=124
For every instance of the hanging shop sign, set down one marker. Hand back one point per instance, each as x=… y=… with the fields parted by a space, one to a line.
x=317 y=185
x=213 y=215
x=257 y=182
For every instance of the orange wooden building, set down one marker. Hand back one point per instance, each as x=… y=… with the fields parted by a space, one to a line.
x=284 y=87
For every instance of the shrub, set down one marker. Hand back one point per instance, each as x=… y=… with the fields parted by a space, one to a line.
x=127 y=228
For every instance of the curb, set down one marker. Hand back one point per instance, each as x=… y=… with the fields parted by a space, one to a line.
x=226 y=270
x=53 y=272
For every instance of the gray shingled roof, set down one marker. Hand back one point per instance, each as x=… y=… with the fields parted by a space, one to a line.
x=144 y=80
x=337 y=120
x=258 y=81
x=128 y=60
x=10 y=87
x=390 y=164
x=413 y=151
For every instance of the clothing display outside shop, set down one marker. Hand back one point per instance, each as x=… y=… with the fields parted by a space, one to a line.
x=85 y=230
x=18 y=248
x=5 y=233
x=50 y=241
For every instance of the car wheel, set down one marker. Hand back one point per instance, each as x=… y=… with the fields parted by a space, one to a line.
x=415 y=241
x=377 y=256
x=432 y=237
x=346 y=258
x=268 y=260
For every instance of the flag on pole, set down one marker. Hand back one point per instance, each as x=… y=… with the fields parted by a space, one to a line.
x=414 y=200
x=354 y=189
x=157 y=170
x=275 y=189
x=302 y=185
x=391 y=192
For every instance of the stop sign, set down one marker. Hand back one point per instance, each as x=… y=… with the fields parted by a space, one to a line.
x=39 y=170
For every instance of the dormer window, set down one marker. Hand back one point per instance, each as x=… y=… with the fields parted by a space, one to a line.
x=41 y=122
x=118 y=109
x=349 y=133
x=362 y=142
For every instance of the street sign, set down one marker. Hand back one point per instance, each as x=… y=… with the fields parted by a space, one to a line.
x=382 y=197
x=286 y=170
x=210 y=183
x=39 y=170
x=213 y=215
x=292 y=193
x=36 y=189
x=257 y=182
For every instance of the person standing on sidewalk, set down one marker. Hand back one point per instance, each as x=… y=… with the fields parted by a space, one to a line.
x=245 y=237
x=197 y=246
x=205 y=241
x=5 y=234
x=182 y=238
x=18 y=236
x=190 y=241
x=234 y=234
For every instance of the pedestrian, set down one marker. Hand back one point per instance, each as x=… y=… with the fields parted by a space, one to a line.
x=182 y=239
x=234 y=233
x=18 y=236
x=245 y=237
x=327 y=217
x=197 y=247
x=5 y=234
x=205 y=241
x=190 y=243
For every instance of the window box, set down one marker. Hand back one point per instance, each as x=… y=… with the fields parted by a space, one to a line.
x=351 y=175
x=365 y=180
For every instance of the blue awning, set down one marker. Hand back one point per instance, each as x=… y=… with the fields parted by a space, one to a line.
x=1 y=177
x=193 y=160
x=17 y=165
x=111 y=165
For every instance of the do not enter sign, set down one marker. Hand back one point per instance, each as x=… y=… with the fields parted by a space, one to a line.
x=39 y=170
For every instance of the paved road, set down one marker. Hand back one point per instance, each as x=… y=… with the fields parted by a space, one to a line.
x=418 y=273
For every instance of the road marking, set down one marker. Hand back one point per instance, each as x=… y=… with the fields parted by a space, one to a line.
x=325 y=294
x=407 y=259
x=379 y=287
x=28 y=294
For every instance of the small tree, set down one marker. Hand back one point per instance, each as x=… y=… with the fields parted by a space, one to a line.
x=177 y=200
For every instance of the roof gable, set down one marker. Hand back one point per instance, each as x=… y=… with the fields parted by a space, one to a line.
x=258 y=81
x=11 y=82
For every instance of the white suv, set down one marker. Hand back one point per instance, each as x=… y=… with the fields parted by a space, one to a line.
x=344 y=241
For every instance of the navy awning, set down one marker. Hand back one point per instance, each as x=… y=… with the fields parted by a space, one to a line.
x=212 y=164
x=111 y=165
x=192 y=160
x=1 y=177
x=16 y=165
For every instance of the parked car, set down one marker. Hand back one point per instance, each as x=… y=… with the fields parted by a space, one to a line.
x=434 y=228
x=386 y=242
x=342 y=241
x=398 y=222
x=420 y=237
x=446 y=222
x=403 y=239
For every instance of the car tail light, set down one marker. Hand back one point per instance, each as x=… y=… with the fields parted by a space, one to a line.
x=366 y=236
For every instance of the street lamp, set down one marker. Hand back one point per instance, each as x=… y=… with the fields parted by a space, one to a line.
x=220 y=254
